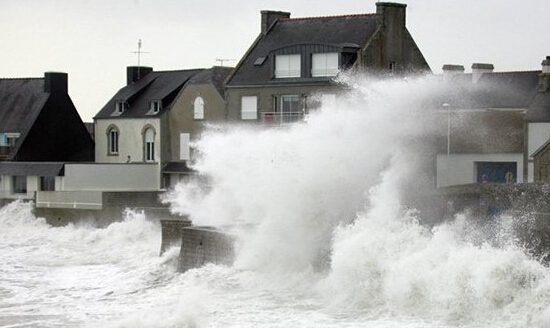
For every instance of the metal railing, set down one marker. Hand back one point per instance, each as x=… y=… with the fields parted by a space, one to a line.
x=277 y=118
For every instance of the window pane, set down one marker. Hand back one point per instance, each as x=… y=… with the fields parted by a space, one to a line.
x=19 y=184
x=184 y=146
x=47 y=183
x=287 y=65
x=290 y=104
x=249 y=107
x=199 y=108
x=324 y=64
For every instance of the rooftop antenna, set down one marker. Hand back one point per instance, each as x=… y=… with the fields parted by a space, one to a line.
x=139 y=52
x=221 y=61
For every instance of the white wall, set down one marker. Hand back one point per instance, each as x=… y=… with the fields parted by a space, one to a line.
x=130 y=141
x=538 y=134
x=456 y=169
x=111 y=177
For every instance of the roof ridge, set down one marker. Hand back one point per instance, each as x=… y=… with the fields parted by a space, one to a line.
x=328 y=16
x=515 y=72
x=176 y=70
x=21 y=78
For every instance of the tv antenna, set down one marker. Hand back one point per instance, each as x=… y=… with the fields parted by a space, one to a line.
x=221 y=61
x=139 y=52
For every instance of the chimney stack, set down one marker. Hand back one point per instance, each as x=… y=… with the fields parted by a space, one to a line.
x=392 y=14
x=478 y=69
x=451 y=70
x=544 y=77
x=269 y=16
x=55 y=83
x=134 y=74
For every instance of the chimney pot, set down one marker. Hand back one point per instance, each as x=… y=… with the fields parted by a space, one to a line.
x=449 y=70
x=546 y=65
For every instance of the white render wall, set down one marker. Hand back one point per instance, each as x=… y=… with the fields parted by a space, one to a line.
x=538 y=134
x=111 y=177
x=130 y=140
x=457 y=169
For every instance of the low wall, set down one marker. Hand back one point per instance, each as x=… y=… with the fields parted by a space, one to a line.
x=202 y=245
x=172 y=233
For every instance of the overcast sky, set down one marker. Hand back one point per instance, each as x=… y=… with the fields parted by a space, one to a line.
x=93 y=40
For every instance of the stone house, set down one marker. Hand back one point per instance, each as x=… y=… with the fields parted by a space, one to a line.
x=294 y=61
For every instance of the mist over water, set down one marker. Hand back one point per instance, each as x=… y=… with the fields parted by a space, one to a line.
x=326 y=237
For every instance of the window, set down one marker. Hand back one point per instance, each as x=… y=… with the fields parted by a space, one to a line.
x=120 y=106
x=391 y=66
x=324 y=64
x=19 y=184
x=8 y=139
x=47 y=183
x=287 y=66
x=249 y=107
x=199 y=108
x=112 y=141
x=290 y=104
x=184 y=146
x=156 y=106
x=149 y=144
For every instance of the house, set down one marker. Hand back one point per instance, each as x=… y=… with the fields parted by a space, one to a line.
x=142 y=137
x=481 y=125
x=537 y=119
x=40 y=129
x=153 y=119
x=294 y=60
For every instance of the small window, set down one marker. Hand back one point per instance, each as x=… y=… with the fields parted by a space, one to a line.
x=184 y=146
x=120 y=106
x=19 y=184
x=198 y=108
x=287 y=66
x=113 y=141
x=47 y=183
x=324 y=64
x=156 y=106
x=391 y=67
x=260 y=61
x=290 y=104
x=149 y=145
x=249 y=107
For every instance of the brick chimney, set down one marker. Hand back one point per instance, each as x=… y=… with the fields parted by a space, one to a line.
x=55 y=83
x=392 y=14
x=134 y=74
x=478 y=69
x=269 y=16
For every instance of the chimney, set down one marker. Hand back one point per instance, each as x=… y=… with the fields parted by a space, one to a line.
x=269 y=16
x=134 y=74
x=479 y=69
x=55 y=83
x=392 y=14
x=544 y=77
x=451 y=70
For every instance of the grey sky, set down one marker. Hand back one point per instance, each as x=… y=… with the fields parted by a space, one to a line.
x=93 y=40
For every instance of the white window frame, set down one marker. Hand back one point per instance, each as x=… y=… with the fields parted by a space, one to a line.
x=155 y=106
x=324 y=64
x=288 y=65
x=198 y=108
x=113 y=135
x=184 y=146
x=149 y=144
x=249 y=107
x=120 y=106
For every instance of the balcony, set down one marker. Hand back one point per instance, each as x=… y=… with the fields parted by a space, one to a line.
x=279 y=118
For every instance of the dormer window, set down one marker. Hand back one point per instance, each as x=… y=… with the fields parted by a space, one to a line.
x=287 y=65
x=156 y=106
x=120 y=106
x=324 y=64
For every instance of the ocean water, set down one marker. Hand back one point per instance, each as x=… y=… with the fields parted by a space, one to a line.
x=325 y=238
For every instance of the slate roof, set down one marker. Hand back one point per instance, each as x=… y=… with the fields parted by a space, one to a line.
x=32 y=168
x=156 y=85
x=340 y=31
x=539 y=109
x=21 y=100
x=215 y=75
x=501 y=90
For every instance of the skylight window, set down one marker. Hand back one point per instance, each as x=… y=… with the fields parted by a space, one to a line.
x=260 y=61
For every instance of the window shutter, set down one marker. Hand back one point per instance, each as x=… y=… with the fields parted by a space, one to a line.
x=184 y=146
